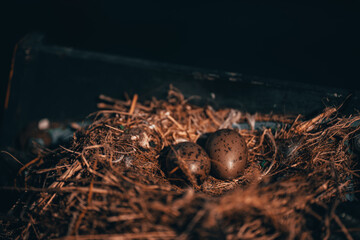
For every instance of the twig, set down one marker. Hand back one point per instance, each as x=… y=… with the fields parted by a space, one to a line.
x=28 y=164
x=133 y=104
x=13 y=157
x=343 y=228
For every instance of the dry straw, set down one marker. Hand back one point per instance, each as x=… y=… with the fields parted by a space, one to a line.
x=109 y=183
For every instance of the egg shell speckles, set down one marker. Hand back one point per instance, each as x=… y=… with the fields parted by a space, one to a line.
x=228 y=152
x=195 y=158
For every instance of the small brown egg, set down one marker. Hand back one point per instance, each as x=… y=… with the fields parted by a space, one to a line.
x=228 y=152
x=193 y=156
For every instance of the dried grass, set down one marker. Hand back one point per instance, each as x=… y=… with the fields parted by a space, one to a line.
x=109 y=183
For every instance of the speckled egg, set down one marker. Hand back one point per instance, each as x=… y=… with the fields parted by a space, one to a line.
x=194 y=157
x=228 y=152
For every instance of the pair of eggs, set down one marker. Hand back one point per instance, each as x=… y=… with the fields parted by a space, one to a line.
x=225 y=156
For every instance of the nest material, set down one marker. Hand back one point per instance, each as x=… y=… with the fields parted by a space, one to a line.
x=109 y=183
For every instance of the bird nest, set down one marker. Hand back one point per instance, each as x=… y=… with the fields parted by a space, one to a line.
x=109 y=182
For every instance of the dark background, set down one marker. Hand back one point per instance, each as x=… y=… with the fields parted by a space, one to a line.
x=295 y=41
